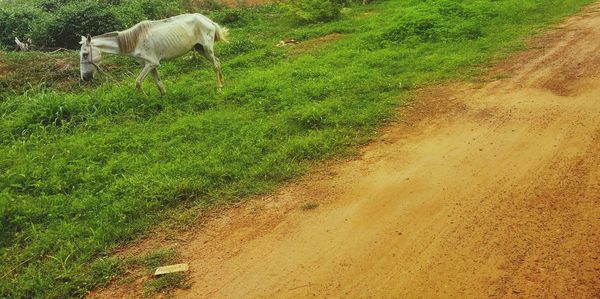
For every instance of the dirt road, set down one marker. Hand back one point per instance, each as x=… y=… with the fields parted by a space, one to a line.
x=488 y=189
x=491 y=189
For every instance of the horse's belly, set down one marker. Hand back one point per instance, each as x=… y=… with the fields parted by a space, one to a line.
x=174 y=44
x=169 y=53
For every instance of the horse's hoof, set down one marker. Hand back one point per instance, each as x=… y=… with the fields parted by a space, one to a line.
x=140 y=90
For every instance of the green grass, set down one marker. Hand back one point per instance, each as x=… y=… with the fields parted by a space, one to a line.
x=34 y=72
x=166 y=283
x=149 y=263
x=144 y=265
x=85 y=170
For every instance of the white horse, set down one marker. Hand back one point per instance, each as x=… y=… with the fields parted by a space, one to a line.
x=151 y=41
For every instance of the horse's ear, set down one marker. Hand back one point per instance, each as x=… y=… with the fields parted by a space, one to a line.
x=89 y=38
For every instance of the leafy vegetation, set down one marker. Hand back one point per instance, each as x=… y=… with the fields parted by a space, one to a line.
x=314 y=10
x=84 y=169
x=59 y=23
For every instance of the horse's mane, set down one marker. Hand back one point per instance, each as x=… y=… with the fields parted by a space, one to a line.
x=109 y=34
x=129 y=38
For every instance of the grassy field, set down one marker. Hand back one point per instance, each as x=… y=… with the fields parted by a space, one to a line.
x=84 y=169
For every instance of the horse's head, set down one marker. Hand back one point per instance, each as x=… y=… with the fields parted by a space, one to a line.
x=89 y=56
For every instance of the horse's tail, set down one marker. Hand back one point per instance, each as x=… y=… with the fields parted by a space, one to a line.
x=222 y=34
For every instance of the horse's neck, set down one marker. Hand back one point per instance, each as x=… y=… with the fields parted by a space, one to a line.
x=107 y=44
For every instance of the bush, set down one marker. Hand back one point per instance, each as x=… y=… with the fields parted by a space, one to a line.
x=233 y=17
x=51 y=5
x=17 y=22
x=314 y=10
x=73 y=20
x=442 y=21
x=58 y=23
x=130 y=12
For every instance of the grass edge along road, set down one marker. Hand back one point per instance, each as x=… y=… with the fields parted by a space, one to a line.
x=82 y=172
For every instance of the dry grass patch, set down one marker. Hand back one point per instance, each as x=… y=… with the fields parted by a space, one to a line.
x=314 y=44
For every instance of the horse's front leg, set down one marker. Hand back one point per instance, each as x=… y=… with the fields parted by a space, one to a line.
x=140 y=79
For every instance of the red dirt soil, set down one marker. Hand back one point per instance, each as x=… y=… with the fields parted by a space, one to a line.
x=485 y=190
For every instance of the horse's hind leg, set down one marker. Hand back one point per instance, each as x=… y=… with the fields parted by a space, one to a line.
x=159 y=84
x=207 y=51
x=140 y=79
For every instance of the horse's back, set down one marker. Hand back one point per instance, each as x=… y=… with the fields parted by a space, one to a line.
x=190 y=19
x=175 y=36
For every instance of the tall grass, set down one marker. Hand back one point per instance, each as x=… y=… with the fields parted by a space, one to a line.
x=84 y=171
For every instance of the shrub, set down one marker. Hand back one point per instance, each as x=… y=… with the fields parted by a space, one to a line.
x=234 y=17
x=57 y=23
x=17 y=21
x=130 y=12
x=442 y=21
x=204 y=5
x=51 y=5
x=66 y=26
x=314 y=10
